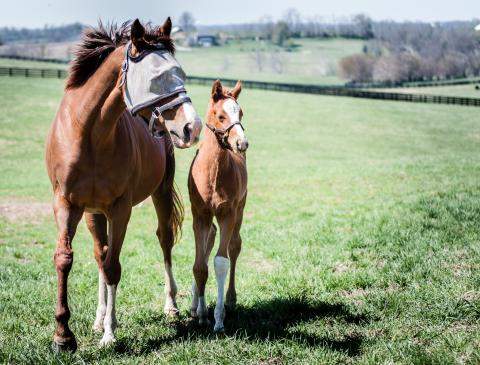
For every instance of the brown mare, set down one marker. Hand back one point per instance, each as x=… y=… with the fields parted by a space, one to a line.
x=102 y=160
x=217 y=185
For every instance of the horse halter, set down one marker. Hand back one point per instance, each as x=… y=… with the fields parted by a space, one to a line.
x=150 y=77
x=223 y=134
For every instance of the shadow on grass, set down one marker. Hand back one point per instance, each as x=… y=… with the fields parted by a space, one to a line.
x=270 y=320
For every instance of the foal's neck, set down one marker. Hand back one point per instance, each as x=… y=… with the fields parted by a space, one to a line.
x=98 y=104
x=211 y=144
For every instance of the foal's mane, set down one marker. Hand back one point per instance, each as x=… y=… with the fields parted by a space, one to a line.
x=97 y=43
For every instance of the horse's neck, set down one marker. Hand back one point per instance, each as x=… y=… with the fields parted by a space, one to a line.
x=98 y=104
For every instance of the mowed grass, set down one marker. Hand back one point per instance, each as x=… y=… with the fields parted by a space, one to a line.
x=361 y=240
x=8 y=62
x=311 y=61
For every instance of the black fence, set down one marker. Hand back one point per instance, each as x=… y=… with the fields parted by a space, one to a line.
x=413 y=84
x=33 y=72
x=343 y=91
x=293 y=88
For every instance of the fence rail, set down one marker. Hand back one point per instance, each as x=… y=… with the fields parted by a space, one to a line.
x=295 y=88
x=413 y=84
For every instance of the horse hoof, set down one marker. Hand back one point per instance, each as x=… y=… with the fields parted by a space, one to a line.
x=172 y=313
x=219 y=329
x=64 y=344
x=107 y=340
x=203 y=321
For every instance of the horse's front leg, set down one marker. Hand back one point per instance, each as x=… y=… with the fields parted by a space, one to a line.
x=118 y=218
x=222 y=264
x=208 y=250
x=67 y=217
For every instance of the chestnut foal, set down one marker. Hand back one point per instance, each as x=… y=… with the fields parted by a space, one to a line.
x=217 y=184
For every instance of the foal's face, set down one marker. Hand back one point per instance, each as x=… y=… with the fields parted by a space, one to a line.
x=227 y=112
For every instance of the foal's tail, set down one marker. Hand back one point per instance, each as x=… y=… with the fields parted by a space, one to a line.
x=171 y=193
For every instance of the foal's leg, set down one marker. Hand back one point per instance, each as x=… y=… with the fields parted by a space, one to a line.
x=97 y=225
x=163 y=203
x=67 y=217
x=210 y=242
x=234 y=249
x=118 y=218
x=222 y=264
x=201 y=229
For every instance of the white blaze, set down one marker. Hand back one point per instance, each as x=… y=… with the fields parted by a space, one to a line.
x=189 y=111
x=232 y=109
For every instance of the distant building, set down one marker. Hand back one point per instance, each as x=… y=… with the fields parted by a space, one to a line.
x=207 y=40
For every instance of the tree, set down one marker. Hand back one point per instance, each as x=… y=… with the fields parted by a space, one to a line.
x=266 y=26
x=280 y=33
x=364 y=26
x=357 y=67
x=187 y=22
x=293 y=20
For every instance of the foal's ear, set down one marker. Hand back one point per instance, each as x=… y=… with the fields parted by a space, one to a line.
x=137 y=31
x=217 y=90
x=237 y=89
x=166 y=28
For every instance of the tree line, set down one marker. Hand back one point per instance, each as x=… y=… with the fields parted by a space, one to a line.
x=401 y=52
x=46 y=34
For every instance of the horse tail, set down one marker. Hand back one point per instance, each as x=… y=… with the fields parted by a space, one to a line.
x=171 y=194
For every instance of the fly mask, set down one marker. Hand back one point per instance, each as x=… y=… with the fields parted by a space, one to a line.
x=150 y=77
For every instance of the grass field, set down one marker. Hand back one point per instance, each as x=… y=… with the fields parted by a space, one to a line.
x=311 y=61
x=361 y=240
x=7 y=62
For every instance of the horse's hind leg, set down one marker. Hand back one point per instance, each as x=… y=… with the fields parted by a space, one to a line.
x=97 y=225
x=209 y=246
x=164 y=206
x=67 y=217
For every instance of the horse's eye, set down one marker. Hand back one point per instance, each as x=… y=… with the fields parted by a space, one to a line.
x=221 y=118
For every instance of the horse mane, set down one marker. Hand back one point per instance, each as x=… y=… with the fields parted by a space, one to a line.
x=97 y=43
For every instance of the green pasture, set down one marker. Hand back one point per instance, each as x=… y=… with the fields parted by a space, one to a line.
x=310 y=61
x=361 y=240
x=8 y=62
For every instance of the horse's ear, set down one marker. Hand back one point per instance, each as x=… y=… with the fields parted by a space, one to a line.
x=217 y=90
x=137 y=31
x=166 y=28
x=237 y=89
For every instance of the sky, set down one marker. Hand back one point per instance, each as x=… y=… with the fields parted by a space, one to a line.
x=37 y=13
